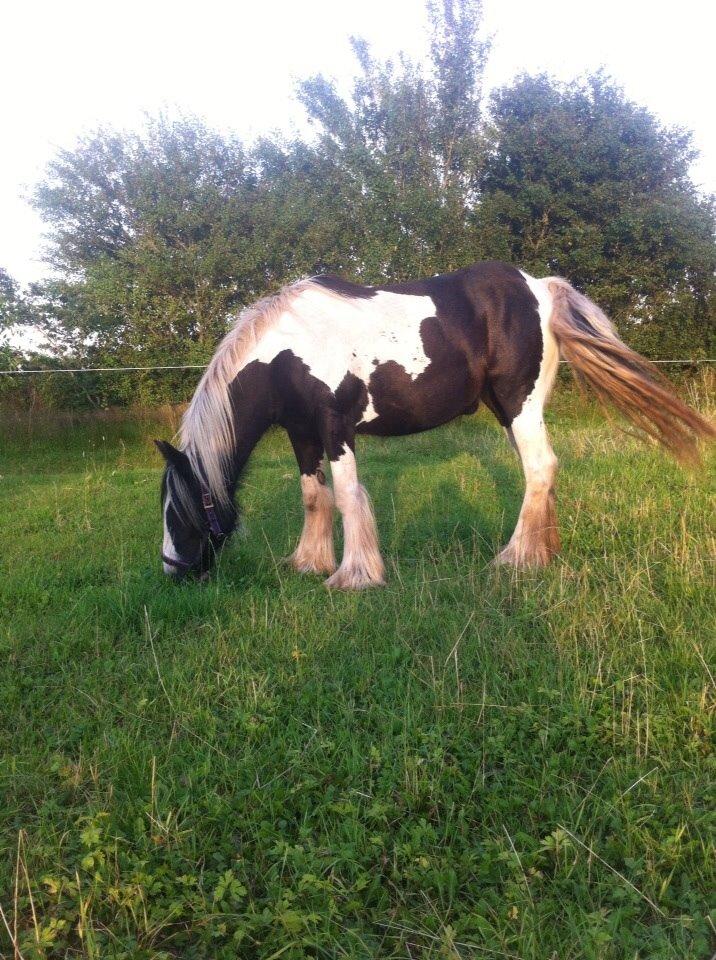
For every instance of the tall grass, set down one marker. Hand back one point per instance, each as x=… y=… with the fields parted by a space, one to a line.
x=468 y=763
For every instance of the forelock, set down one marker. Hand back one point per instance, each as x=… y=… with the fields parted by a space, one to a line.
x=183 y=499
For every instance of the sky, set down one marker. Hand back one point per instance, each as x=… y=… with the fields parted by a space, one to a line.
x=67 y=67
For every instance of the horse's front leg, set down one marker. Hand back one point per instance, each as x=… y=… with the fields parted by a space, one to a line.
x=314 y=553
x=362 y=565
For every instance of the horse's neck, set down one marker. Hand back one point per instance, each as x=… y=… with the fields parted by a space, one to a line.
x=251 y=420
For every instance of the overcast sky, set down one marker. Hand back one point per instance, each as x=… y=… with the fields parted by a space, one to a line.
x=67 y=66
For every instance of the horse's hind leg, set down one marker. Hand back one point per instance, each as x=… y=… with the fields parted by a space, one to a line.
x=314 y=553
x=362 y=565
x=536 y=537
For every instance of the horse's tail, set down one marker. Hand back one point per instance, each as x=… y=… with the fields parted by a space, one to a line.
x=620 y=376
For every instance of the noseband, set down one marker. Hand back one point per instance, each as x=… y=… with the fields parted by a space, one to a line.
x=214 y=527
x=176 y=562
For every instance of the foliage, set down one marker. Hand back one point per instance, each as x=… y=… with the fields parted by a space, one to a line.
x=15 y=311
x=465 y=763
x=9 y=301
x=157 y=236
x=408 y=147
x=147 y=234
x=582 y=183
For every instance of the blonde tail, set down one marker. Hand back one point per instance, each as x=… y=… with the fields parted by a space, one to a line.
x=621 y=377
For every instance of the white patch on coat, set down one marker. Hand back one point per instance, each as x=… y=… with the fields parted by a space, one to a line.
x=168 y=548
x=528 y=429
x=550 y=348
x=336 y=335
x=535 y=538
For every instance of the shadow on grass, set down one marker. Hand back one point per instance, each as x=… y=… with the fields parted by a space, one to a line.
x=464 y=492
x=454 y=496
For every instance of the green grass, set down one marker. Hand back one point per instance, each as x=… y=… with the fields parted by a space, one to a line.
x=465 y=764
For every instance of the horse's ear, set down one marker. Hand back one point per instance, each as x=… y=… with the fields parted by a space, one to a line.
x=175 y=458
x=166 y=449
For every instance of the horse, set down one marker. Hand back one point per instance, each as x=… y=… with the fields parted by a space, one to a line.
x=328 y=359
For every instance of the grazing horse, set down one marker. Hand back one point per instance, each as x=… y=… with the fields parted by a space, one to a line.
x=328 y=359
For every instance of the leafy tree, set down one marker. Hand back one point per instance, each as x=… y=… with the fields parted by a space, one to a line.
x=157 y=236
x=8 y=300
x=15 y=312
x=408 y=146
x=147 y=233
x=581 y=182
x=14 y=309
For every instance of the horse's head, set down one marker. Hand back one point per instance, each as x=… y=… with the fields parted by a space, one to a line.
x=195 y=528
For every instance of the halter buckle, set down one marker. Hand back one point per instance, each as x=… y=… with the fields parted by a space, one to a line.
x=210 y=511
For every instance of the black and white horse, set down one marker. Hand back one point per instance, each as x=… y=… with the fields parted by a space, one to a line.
x=328 y=359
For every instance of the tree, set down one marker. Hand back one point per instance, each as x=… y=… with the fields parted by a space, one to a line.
x=408 y=147
x=581 y=182
x=14 y=309
x=157 y=236
x=15 y=312
x=147 y=237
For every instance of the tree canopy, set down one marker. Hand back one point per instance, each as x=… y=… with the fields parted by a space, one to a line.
x=157 y=236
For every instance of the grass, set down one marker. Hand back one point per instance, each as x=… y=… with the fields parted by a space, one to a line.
x=465 y=764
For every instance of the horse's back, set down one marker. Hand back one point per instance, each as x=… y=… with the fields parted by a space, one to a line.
x=405 y=357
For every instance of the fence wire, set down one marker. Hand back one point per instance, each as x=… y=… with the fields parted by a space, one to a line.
x=203 y=366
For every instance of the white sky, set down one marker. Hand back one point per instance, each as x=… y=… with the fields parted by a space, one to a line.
x=67 y=66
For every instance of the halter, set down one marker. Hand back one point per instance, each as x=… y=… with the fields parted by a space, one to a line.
x=208 y=505
x=214 y=527
x=176 y=562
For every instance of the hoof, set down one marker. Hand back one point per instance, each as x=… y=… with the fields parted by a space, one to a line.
x=353 y=578
x=522 y=558
x=304 y=564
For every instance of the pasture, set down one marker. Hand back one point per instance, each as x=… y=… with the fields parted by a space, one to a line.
x=468 y=763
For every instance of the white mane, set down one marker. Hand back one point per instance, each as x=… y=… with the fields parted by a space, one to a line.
x=207 y=429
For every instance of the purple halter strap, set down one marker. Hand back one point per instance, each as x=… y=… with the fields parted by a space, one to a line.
x=210 y=511
x=177 y=562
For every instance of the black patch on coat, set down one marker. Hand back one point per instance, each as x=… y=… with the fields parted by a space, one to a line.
x=488 y=311
x=307 y=407
x=308 y=449
x=446 y=388
x=344 y=287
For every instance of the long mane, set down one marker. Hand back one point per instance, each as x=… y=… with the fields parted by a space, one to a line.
x=207 y=429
